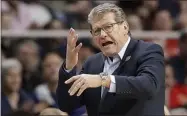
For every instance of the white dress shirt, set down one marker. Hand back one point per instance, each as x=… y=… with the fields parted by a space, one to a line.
x=111 y=65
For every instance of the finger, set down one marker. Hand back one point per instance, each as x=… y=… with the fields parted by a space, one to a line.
x=74 y=40
x=81 y=90
x=77 y=87
x=72 y=79
x=74 y=85
x=71 y=36
x=78 y=48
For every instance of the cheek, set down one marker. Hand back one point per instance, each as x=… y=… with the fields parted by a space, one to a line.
x=9 y=83
x=97 y=40
x=47 y=71
x=114 y=37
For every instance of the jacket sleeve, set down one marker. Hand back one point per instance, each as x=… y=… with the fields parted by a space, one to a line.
x=66 y=102
x=149 y=77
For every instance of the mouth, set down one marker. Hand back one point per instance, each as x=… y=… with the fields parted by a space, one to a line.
x=107 y=43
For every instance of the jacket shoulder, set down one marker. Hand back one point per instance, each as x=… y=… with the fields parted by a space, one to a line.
x=142 y=45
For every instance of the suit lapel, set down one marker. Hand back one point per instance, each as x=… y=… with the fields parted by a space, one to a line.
x=127 y=54
x=100 y=64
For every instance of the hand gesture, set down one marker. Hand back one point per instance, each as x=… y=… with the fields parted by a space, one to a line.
x=72 y=49
x=82 y=82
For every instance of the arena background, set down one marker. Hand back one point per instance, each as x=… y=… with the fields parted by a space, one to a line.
x=33 y=33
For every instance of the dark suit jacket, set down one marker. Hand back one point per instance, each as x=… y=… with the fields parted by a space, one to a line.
x=6 y=108
x=139 y=84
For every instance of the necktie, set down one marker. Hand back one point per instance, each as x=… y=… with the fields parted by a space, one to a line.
x=111 y=58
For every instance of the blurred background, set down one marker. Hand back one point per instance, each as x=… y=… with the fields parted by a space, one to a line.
x=33 y=47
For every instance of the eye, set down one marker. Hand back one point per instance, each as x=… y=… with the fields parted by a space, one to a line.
x=108 y=27
x=96 y=31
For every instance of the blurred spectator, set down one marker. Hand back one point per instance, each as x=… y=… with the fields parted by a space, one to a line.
x=50 y=44
x=175 y=94
x=162 y=21
x=152 y=5
x=15 y=15
x=56 y=8
x=6 y=20
x=179 y=62
x=170 y=5
x=181 y=22
x=80 y=7
x=47 y=92
x=183 y=5
x=76 y=12
x=146 y=12
x=13 y=98
x=27 y=53
x=143 y=12
x=55 y=24
x=134 y=22
x=40 y=14
x=129 y=6
x=178 y=96
x=56 y=5
x=169 y=82
x=23 y=16
x=86 y=50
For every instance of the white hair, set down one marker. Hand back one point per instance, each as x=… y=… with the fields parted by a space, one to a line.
x=10 y=63
x=102 y=9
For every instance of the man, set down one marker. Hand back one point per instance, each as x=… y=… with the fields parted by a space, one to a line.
x=27 y=52
x=126 y=78
x=46 y=92
x=179 y=62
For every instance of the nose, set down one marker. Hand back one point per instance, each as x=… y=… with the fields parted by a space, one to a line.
x=54 y=68
x=103 y=33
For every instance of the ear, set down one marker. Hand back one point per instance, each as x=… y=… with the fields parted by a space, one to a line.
x=126 y=27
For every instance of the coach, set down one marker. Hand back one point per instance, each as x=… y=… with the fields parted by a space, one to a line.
x=126 y=78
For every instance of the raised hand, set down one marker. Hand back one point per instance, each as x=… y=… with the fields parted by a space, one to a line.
x=72 y=49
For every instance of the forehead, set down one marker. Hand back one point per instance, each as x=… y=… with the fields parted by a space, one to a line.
x=105 y=19
x=52 y=57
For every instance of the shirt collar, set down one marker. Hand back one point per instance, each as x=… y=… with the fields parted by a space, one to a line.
x=123 y=50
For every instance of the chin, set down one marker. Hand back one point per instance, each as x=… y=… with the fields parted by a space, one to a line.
x=15 y=89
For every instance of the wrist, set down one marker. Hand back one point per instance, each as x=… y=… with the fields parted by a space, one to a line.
x=105 y=80
x=67 y=66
